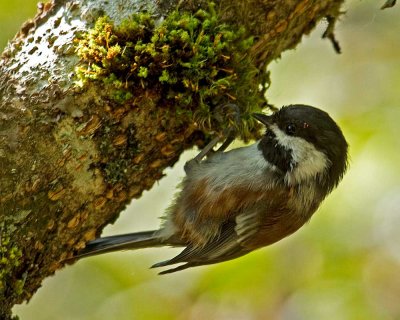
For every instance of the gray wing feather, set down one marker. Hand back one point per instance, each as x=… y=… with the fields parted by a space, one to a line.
x=229 y=244
x=247 y=224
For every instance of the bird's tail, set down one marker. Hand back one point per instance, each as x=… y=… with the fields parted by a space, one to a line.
x=129 y=241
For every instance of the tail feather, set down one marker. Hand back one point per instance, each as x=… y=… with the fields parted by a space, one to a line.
x=128 y=241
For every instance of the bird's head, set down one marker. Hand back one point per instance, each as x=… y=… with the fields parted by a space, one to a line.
x=304 y=142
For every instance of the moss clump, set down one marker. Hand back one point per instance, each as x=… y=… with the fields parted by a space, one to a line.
x=10 y=258
x=194 y=61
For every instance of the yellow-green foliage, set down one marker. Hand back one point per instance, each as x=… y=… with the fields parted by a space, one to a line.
x=9 y=259
x=194 y=61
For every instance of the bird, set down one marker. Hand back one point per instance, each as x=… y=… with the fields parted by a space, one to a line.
x=234 y=202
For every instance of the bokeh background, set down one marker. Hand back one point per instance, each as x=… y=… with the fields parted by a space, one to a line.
x=345 y=264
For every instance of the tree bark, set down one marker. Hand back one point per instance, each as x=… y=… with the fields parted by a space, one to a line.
x=71 y=160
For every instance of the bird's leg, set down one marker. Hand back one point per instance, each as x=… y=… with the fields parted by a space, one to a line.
x=223 y=112
x=230 y=136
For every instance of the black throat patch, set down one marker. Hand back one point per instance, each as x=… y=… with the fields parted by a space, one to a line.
x=275 y=153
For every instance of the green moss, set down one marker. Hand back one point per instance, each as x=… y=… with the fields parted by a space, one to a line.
x=196 y=63
x=10 y=258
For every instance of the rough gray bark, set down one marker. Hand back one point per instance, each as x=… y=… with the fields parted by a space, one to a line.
x=55 y=192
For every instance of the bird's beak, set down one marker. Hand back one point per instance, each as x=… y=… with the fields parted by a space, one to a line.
x=264 y=119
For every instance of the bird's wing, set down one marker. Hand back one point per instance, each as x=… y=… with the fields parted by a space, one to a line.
x=229 y=244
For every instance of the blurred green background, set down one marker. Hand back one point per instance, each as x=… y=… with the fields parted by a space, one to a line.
x=345 y=264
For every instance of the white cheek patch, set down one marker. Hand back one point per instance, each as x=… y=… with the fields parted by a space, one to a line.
x=308 y=161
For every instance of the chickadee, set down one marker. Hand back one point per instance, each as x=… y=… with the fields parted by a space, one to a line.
x=237 y=201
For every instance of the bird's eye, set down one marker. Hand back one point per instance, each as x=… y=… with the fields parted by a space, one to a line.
x=290 y=129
